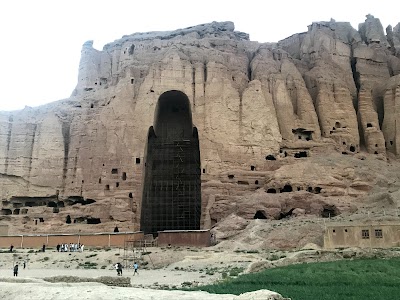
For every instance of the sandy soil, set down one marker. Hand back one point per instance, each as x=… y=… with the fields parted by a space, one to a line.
x=159 y=269
x=43 y=290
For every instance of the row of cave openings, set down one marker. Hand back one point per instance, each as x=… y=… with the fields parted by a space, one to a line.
x=20 y=204
x=299 y=154
x=328 y=211
x=287 y=188
x=284 y=153
x=80 y=220
x=68 y=220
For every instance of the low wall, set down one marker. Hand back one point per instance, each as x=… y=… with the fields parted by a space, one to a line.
x=197 y=238
x=52 y=240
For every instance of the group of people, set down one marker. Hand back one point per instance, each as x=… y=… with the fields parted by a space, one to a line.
x=70 y=247
x=118 y=267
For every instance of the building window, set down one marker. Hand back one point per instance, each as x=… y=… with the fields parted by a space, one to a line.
x=378 y=233
x=365 y=234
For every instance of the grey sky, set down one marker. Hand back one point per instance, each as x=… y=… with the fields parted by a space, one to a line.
x=41 y=40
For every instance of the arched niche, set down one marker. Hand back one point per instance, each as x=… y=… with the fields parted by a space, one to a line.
x=171 y=191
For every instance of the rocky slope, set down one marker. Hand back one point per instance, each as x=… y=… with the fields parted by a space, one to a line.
x=305 y=126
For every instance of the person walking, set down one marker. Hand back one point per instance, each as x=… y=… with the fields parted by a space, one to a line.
x=119 y=269
x=16 y=270
x=135 y=268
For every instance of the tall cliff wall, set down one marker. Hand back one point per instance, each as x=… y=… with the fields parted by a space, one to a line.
x=259 y=110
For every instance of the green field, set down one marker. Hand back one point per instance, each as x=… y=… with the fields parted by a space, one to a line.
x=371 y=279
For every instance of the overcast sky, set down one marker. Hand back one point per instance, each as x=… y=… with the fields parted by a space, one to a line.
x=41 y=39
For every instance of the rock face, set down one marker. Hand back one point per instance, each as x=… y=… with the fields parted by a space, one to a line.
x=265 y=116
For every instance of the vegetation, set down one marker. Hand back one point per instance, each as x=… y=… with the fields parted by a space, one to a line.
x=339 y=280
x=91 y=255
x=88 y=265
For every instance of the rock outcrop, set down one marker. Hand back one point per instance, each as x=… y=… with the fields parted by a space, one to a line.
x=266 y=116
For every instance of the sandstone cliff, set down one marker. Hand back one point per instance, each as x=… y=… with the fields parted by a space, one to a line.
x=266 y=115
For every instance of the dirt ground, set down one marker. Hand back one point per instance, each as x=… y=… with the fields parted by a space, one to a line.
x=160 y=270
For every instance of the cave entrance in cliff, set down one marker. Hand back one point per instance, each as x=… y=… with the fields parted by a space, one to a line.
x=260 y=214
x=172 y=189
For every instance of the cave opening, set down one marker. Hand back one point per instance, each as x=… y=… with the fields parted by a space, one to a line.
x=93 y=221
x=300 y=154
x=329 y=211
x=271 y=191
x=287 y=189
x=260 y=215
x=52 y=204
x=303 y=134
x=270 y=157
x=172 y=192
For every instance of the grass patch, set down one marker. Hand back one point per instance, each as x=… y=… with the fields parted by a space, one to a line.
x=91 y=255
x=88 y=265
x=340 y=280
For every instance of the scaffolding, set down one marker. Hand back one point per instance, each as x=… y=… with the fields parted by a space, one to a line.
x=171 y=196
x=134 y=250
